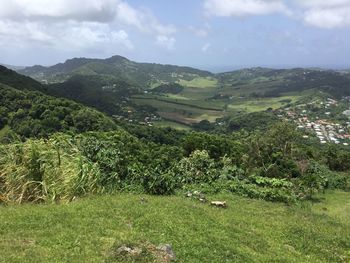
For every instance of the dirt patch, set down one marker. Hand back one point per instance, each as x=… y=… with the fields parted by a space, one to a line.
x=141 y=252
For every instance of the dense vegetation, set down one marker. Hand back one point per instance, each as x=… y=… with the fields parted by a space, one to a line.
x=139 y=74
x=277 y=166
x=288 y=80
x=11 y=78
x=105 y=95
x=172 y=88
x=54 y=150
x=264 y=157
x=184 y=95
x=33 y=114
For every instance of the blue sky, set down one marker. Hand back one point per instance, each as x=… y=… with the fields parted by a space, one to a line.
x=210 y=34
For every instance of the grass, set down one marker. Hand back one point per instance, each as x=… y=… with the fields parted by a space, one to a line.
x=172 y=124
x=180 y=113
x=261 y=104
x=195 y=104
x=189 y=110
x=90 y=229
x=199 y=82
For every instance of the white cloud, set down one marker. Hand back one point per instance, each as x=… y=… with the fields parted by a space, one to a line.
x=71 y=24
x=241 y=8
x=142 y=20
x=166 y=42
x=89 y=35
x=200 y=31
x=206 y=47
x=323 y=3
x=63 y=36
x=87 y=10
x=326 y=14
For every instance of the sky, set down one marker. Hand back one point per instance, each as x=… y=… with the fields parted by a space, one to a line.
x=210 y=34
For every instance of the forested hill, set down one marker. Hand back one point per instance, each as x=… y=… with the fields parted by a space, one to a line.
x=113 y=68
x=277 y=81
x=264 y=82
x=27 y=112
x=11 y=78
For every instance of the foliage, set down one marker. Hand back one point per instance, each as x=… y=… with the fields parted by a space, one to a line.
x=269 y=167
x=106 y=95
x=197 y=168
x=33 y=114
x=11 y=78
x=173 y=88
x=45 y=170
x=251 y=121
x=338 y=159
x=159 y=182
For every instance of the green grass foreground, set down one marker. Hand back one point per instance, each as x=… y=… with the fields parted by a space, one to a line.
x=90 y=229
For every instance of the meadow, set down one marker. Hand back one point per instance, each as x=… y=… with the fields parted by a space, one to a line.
x=191 y=107
x=92 y=228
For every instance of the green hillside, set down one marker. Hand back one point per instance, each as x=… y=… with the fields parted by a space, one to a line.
x=143 y=75
x=181 y=94
x=11 y=78
x=75 y=186
x=27 y=112
x=92 y=229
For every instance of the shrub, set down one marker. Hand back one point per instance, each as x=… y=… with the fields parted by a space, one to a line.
x=41 y=170
x=197 y=168
x=159 y=182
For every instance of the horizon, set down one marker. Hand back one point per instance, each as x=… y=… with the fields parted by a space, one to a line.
x=211 y=68
x=209 y=34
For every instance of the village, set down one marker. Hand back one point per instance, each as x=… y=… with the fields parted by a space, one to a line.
x=327 y=119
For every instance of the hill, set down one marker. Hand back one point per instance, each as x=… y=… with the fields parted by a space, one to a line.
x=11 y=78
x=27 y=112
x=247 y=231
x=272 y=82
x=12 y=67
x=183 y=95
x=143 y=75
x=109 y=97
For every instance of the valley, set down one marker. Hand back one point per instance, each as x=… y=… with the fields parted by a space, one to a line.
x=204 y=131
x=135 y=155
x=182 y=95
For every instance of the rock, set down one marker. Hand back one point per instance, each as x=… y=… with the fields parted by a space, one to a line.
x=143 y=200
x=196 y=193
x=131 y=251
x=167 y=249
x=188 y=194
x=221 y=204
x=203 y=200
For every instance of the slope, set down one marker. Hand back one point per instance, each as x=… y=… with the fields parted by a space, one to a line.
x=143 y=75
x=28 y=112
x=92 y=229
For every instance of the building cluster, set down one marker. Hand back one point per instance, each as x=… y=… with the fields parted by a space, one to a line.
x=317 y=123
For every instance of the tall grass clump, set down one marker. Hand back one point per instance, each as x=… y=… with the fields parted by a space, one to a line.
x=45 y=170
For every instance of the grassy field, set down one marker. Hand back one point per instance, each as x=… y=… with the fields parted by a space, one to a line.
x=183 y=109
x=90 y=229
x=175 y=125
x=180 y=111
x=199 y=82
x=261 y=104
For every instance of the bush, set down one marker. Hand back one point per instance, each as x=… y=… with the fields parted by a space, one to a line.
x=159 y=182
x=197 y=168
x=45 y=170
